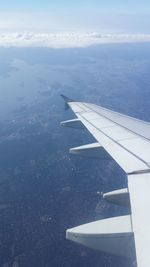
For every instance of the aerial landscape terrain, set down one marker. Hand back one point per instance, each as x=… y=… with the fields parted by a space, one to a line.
x=90 y=51
x=43 y=189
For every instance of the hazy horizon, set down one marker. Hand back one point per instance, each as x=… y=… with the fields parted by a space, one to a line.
x=102 y=16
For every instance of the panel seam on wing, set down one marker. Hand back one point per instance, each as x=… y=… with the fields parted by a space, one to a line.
x=118 y=123
x=116 y=142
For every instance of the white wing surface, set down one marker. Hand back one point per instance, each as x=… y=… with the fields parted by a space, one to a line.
x=127 y=140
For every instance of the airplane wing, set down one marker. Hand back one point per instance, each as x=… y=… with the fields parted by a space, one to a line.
x=127 y=141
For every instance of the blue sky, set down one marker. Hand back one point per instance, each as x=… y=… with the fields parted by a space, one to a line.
x=108 y=5
x=117 y=16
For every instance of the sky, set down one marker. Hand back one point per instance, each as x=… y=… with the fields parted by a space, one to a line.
x=106 y=16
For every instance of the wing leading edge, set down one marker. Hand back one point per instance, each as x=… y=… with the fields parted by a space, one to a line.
x=127 y=141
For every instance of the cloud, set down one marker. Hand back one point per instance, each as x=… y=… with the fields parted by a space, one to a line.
x=67 y=40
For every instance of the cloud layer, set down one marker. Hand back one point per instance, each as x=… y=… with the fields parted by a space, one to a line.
x=66 y=40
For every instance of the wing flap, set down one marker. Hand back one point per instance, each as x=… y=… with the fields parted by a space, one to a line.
x=139 y=188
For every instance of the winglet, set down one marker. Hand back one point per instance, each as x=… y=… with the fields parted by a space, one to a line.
x=67 y=100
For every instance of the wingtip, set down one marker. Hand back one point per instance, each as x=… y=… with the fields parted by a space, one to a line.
x=66 y=99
